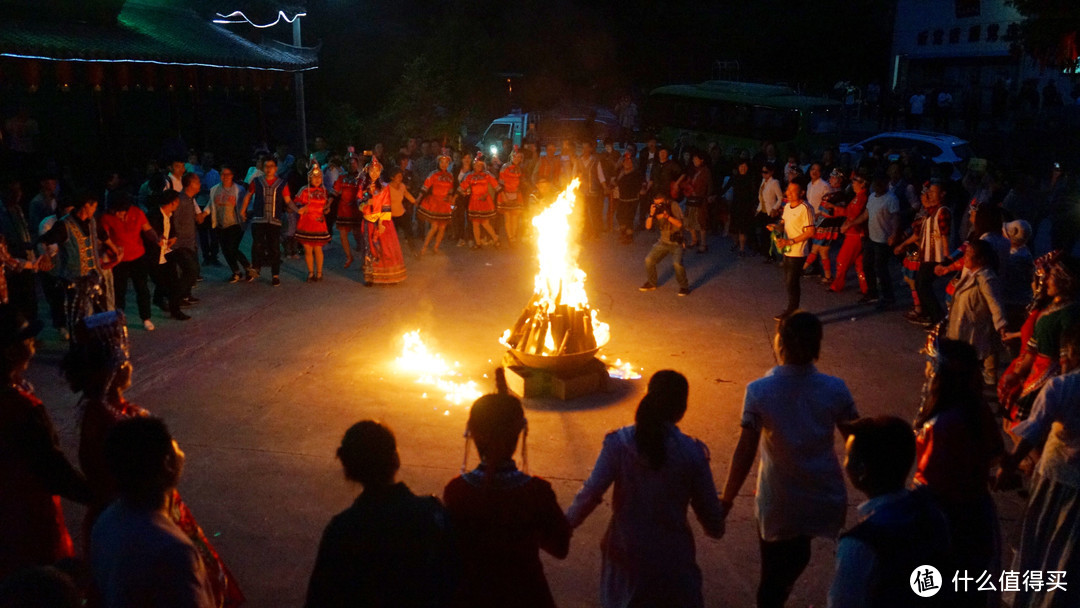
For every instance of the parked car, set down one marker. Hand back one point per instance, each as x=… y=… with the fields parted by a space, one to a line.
x=934 y=147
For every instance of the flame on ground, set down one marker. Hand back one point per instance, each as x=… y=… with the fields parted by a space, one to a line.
x=623 y=371
x=432 y=370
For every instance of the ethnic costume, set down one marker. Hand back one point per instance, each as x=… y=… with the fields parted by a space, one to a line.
x=1041 y=335
x=436 y=204
x=478 y=186
x=826 y=230
x=510 y=199
x=347 y=187
x=503 y=517
x=311 y=229
x=98 y=418
x=383 y=262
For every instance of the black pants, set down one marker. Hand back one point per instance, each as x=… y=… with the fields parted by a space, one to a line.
x=876 y=258
x=166 y=284
x=187 y=261
x=138 y=272
x=54 y=296
x=594 y=214
x=266 y=247
x=792 y=275
x=924 y=286
x=22 y=292
x=624 y=213
x=782 y=562
x=208 y=242
x=229 y=238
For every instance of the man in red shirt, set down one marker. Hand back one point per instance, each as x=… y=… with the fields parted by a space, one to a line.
x=127 y=226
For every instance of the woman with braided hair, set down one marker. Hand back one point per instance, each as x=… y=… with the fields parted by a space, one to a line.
x=503 y=516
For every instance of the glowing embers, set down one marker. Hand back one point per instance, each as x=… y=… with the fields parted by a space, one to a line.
x=432 y=370
x=557 y=322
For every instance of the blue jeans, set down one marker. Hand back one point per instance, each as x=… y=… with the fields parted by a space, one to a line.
x=660 y=251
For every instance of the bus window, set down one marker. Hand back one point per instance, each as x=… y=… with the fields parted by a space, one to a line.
x=823 y=121
x=775 y=124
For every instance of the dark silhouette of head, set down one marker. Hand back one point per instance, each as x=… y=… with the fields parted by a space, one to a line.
x=368 y=452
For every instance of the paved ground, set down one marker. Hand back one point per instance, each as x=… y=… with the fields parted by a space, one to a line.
x=261 y=384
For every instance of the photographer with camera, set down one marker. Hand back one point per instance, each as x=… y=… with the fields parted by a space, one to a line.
x=668 y=216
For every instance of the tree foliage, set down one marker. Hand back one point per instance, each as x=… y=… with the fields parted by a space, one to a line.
x=1049 y=30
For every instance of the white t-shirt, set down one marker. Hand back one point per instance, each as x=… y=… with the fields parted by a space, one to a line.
x=800 y=486
x=816 y=191
x=881 y=221
x=796 y=219
x=917 y=102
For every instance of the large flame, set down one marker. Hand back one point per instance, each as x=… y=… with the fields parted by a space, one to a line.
x=432 y=370
x=559 y=280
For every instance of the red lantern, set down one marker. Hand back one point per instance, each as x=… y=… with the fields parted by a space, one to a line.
x=191 y=78
x=149 y=76
x=123 y=76
x=171 y=78
x=95 y=73
x=32 y=73
x=63 y=75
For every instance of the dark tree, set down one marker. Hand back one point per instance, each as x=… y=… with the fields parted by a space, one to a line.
x=1049 y=31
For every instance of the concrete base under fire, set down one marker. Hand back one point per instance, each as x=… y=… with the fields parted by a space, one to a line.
x=579 y=381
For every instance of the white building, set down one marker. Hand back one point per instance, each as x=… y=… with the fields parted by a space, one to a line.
x=962 y=45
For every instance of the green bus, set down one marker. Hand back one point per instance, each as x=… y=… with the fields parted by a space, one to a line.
x=742 y=115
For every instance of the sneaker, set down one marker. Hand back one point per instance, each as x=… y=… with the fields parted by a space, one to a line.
x=199 y=278
x=868 y=299
x=192 y=300
x=912 y=315
x=685 y=291
x=920 y=320
x=275 y=281
x=250 y=276
x=179 y=316
x=148 y=325
x=235 y=278
x=647 y=287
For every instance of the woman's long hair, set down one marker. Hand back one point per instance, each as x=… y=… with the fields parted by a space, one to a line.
x=956 y=385
x=663 y=404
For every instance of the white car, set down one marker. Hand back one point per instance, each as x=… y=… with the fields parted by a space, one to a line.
x=935 y=147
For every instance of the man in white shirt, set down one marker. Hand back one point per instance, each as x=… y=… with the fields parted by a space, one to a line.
x=165 y=269
x=140 y=558
x=770 y=201
x=798 y=224
x=916 y=105
x=817 y=188
x=883 y=228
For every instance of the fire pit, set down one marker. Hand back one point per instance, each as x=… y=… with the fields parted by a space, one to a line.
x=557 y=333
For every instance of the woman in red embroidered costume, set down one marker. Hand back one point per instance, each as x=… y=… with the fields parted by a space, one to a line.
x=436 y=204
x=34 y=473
x=383 y=262
x=99 y=367
x=511 y=202
x=479 y=185
x=311 y=231
x=349 y=221
x=1055 y=308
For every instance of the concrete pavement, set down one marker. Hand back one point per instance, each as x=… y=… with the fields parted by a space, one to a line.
x=261 y=384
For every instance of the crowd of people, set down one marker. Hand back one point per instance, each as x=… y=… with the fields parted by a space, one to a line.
x=479 y=546
x=1004 y=342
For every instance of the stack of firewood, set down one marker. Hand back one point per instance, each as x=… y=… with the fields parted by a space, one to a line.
x=571 y=329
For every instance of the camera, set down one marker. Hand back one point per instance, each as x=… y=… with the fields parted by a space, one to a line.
x=660 y=207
